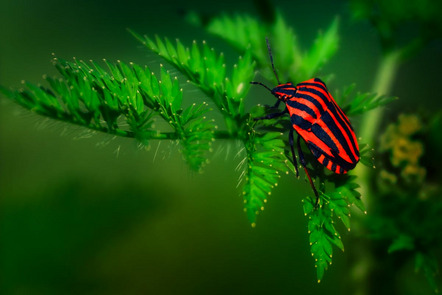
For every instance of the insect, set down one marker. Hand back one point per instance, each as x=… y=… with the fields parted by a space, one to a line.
x=319 y=121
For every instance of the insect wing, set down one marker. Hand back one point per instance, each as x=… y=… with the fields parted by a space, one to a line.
x=324 y=126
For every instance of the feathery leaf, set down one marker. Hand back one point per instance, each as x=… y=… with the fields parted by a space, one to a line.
x=106 y=101
x=265 y=161
x=355 y=104
x=323 y=233
x=204 y=67
x=248 y=33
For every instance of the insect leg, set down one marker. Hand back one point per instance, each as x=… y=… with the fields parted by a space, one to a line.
x=304 y=164
x=271 y=116
x=276 y=104
x=291 y=142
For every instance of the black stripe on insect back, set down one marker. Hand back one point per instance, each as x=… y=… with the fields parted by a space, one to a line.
x=324 y=136
x=300 y=122
x=309 y=85
x=290 y=91
x=331 y=124
x=332 y=108
x=339 y=110
x=310 y=98
x=320 y=96
x=302 y=107
x=320 y=81
x=347 y=127
x=317 y=152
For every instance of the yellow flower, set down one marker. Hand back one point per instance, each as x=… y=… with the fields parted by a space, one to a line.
x=413 y=173
x=409 y=124
x=406 y=151
x=387 y=177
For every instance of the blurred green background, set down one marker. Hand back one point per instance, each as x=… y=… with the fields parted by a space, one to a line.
x=84 y=213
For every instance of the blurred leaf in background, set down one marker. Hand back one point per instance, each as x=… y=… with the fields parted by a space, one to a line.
x=409 y=223
x=407 y=26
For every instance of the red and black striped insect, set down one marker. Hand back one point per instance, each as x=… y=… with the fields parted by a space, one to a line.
x=319 y=121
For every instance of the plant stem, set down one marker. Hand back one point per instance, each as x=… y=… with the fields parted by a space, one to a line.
x=163 y=135
x=130 y=134
x=362 y=267
x=370 y=122
x=382 y=85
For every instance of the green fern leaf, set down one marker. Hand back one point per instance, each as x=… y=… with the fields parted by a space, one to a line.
x=92 y=97
x=264 y=163
x=336 y=204
x=402 y=242
x=198 y=134
x=288 y=53
x=248 y=33
x=428 y=264
x=359 y=103
x=339 y=206
x=245 y=32
x=366 y=155
x=242 y=32
x=321 y=237
x=207 y=70
x=324 y=47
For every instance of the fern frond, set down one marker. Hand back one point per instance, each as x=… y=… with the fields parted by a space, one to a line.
x=197 y=135
x=323 y=233
x=125 y=95
x=263 y=167
x=242 y=32
x=427 y=263
x=323 y=48
x=359 y=103
x=288 y=54
x=204 y=67
x=245 y=32
x=366 y=155
x=248 y=33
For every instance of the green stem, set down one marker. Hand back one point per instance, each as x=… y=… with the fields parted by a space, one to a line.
x=371 y=120
x=161 y=135
x=362 y=267
x=382 y=85
x=129 y=134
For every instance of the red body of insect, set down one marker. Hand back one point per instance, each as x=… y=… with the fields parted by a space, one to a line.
x=321 y=123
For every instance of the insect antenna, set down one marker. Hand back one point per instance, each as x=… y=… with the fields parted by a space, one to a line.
x=259 y=83
x=271 y=60
x=273 y=67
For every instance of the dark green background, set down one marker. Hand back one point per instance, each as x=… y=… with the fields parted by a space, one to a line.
x=79 y=218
